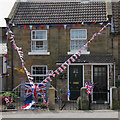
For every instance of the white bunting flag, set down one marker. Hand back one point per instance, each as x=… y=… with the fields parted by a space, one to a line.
x=73 y=60
x=64 y=67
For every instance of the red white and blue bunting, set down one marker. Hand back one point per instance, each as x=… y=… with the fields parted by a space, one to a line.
x=73 y=58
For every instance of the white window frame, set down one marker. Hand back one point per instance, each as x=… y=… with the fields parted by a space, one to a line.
x=35 y=33
x=39 y=75
x=32 y=51
x=74 y=51
x=78 y=38
x=39 y=66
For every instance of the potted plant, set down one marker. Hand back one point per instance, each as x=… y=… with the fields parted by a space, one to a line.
x=43 y=105
x=11 y=106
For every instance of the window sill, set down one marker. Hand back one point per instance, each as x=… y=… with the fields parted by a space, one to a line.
x=39 y=53
x=82 y=52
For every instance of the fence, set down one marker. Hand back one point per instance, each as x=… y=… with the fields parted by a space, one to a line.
x=62 y=102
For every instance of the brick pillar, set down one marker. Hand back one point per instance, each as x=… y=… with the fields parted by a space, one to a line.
x=84 y=99
x=114 y=104
x=51 y=98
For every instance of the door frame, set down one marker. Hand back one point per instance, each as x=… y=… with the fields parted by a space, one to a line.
x=69 y=76
x=108 y=94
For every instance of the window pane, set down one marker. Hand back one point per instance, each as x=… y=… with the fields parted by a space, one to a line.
x=39 y=45
x=77 y=44
x=41 y=35
x=78 y=34
x=33 y=35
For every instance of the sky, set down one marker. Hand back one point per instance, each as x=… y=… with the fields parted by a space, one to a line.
x=5 y=8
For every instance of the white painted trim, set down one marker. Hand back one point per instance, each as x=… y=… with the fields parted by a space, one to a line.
x=35 y=35
x=83 y=76
x=114 y=75
x=78 y=38
x=39 y=53
x=108 y=82
x=39 y=66
x=111 y=98
x=87 y=63
x=82 y=52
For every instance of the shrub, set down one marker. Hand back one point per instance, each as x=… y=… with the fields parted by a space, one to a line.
x=40 y=99
x=78 y=102
x=42 y=105
x=11 y=104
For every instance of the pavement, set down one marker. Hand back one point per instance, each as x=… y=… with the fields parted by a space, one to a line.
x=61 y=114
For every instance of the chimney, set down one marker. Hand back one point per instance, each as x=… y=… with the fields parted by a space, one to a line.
x=108 y=7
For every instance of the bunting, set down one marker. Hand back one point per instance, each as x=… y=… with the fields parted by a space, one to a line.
x=63 y=66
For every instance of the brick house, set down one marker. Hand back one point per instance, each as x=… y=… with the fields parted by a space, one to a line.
x=56 y=30
x=3 y=64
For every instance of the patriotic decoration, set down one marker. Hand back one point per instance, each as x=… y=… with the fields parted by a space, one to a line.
x=20 y=53
x=60 y=69
x=89 y=87
x=7 y=100
x=41 y=89
x=68 y=95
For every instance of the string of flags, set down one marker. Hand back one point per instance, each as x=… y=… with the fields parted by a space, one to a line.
x=73 y=58
x=59 y=26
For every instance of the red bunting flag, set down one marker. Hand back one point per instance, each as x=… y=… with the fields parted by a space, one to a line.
x=53 y=75
x=42 y=26
x=8 y=39
x=25 y=26
x=60 y=69
x=56 y=72
x=59 y=26
x=6 y=55
x=68 y=61
x=63 y=67
x=73 y=60
x=76 y=23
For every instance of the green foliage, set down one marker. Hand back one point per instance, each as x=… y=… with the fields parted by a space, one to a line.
x=78 y=102
x=40 y=99
x=42 y=105
x=9 y=95
x=115 y=104
x=11 y=104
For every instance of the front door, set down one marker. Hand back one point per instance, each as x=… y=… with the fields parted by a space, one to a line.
x=100 y=83
x=75 y=81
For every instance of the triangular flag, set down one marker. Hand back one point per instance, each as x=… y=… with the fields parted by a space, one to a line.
x=30 y=26
x=42 y=26
x=65 y=26
x=47 y=26
x=59 y=26
x=25 y=26
x=6 y=55
x=36 y=26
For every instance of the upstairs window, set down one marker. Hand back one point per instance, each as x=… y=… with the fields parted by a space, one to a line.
x=78 y=38
x=39 y=40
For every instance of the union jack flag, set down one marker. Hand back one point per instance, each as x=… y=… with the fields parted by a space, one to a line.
x=41 y=89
